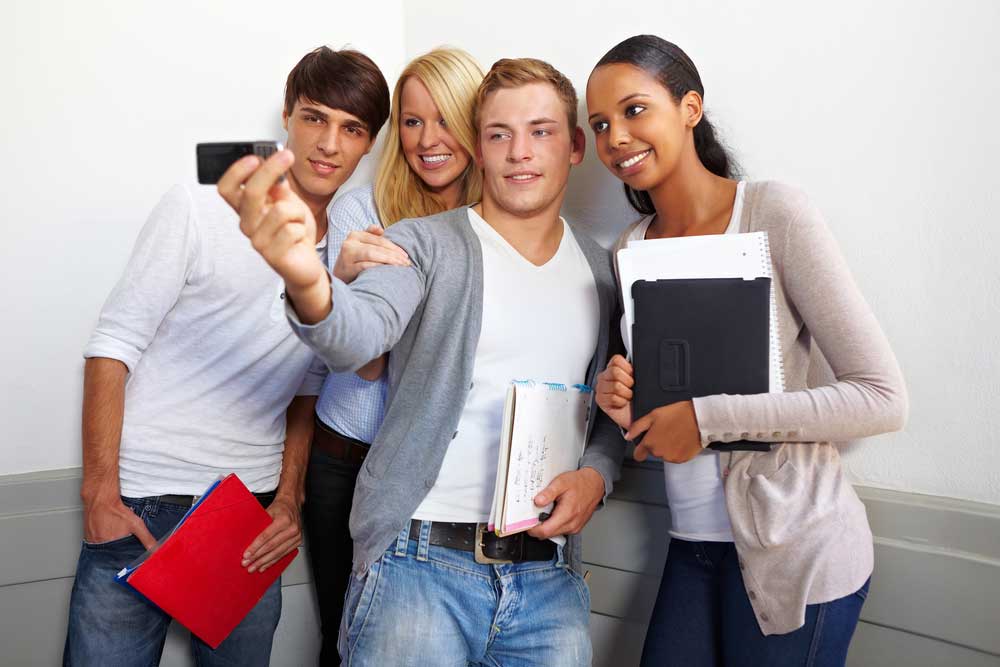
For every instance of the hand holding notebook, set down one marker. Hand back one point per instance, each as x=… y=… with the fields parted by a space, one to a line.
x=700 y=320
x=195 y=574
x=543 y=435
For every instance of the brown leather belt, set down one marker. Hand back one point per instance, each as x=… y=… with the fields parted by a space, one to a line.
x=338 y=446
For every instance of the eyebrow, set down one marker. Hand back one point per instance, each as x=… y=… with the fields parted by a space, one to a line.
x=314 y=111
x=621 y=101
x=350 y=122
x=534 y=121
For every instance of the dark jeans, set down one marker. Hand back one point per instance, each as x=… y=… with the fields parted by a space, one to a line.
x=110 y=625
x=329 y=492
x=703 y=617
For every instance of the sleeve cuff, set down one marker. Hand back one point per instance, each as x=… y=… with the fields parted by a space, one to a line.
x=703 y=412
x=336 y=286
x=109 y=348
x=608 y=483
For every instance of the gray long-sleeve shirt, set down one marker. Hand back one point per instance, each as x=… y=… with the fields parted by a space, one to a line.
x=430 y=316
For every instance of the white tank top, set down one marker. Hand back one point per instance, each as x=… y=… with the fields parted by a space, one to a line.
x=694 y=489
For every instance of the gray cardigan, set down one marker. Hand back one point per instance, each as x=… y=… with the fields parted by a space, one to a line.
x=430 y=316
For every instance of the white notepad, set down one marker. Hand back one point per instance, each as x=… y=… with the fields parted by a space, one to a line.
x=745 y=256
x=543 y=435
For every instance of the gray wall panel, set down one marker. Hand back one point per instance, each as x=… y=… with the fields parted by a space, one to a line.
x=941 y=595
x=621 y=594
x=627 y=536
x=875 y=646
x=39 y=546
x=617 y=643
x=33 y=622
x=935 y=596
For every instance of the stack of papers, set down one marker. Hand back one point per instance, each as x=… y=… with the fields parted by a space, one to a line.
x=543 y=435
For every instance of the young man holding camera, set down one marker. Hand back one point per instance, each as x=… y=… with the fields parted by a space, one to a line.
x=499 y=291
x=193 y=372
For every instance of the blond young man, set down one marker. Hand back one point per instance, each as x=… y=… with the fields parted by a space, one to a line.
x=501 y=290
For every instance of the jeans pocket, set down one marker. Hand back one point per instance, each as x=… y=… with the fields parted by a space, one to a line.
x=358 y=603
x=582 y=589
x=862 y=593
x=111 y=544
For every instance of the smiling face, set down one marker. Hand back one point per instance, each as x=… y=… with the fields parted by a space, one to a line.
x=526 y=148
x=432 y=152
x=640 y=131
x=327 y=143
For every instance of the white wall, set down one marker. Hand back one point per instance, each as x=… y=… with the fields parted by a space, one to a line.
x=884 y=113
x=103 y=103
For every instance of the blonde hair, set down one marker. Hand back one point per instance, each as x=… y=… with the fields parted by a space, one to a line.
x=517 y=72
x=452 y=77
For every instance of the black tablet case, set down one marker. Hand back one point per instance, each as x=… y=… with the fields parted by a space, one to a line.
x=700 y=337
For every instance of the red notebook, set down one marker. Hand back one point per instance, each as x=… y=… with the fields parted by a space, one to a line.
x=194 y=573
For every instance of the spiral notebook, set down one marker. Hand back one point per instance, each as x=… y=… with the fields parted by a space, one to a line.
x=746 y=256
x=543 y=434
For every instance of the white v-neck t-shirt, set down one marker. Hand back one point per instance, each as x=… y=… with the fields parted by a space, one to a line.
x=539 y=323
x=694 y=489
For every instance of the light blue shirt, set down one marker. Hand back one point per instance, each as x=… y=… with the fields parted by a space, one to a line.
x=347 y=403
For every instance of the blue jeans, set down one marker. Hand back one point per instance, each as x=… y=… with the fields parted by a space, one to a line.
x=429 y=605
x=110 y=625
x=703 y=616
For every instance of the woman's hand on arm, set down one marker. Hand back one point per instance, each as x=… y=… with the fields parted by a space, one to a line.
x=363 y=250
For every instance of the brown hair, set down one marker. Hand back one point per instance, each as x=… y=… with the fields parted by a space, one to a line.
x=347 y=80
x=517 y=72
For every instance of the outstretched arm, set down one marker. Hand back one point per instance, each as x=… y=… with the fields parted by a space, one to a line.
x=370 y=315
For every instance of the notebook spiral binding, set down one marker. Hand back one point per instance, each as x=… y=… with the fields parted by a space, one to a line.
x=555 y=386
x=776 y=360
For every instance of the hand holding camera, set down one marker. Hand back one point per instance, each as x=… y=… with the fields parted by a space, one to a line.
x=281 y=228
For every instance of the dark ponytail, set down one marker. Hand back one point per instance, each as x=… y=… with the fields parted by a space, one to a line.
x=669 y=65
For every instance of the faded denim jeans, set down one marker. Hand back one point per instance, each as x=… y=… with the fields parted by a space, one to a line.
x=435 y=606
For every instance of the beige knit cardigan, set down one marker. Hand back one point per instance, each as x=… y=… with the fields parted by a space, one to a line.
x=800 y=529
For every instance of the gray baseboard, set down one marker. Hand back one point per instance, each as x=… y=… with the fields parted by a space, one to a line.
x=935 y=597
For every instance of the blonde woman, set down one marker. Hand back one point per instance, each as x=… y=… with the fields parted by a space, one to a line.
x=426 y=167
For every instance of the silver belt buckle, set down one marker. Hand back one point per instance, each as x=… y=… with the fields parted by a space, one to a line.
x=480 y=556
